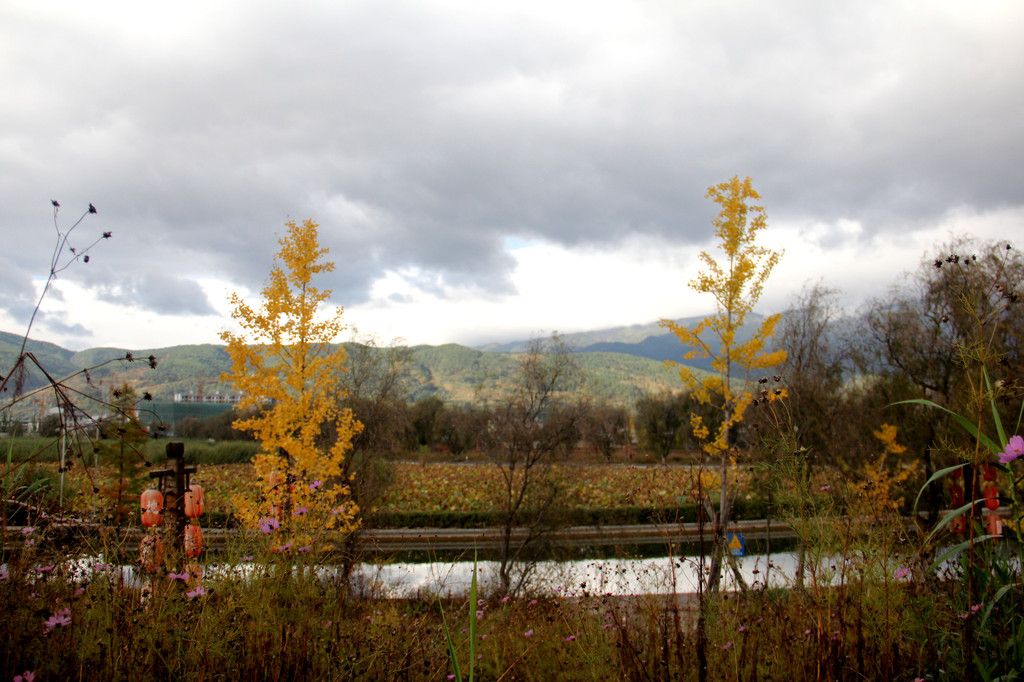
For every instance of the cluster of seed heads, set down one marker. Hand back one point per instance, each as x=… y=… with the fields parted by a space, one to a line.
x=765 y=390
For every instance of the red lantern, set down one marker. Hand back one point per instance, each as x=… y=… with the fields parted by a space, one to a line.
x=990 y=472
x=992 y=497
x=152 y=504
x=193 y=540
x=958 y=525
x=151 y=552
x=994 y=524
x=194 y=501
x=956 y=494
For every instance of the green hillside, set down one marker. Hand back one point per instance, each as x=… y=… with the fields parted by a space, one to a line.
x=451 y=372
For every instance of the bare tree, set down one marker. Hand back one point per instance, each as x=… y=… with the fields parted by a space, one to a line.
x=959 y=312
x=534 y=420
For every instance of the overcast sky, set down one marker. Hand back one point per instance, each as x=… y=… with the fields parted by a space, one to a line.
x=488 y=170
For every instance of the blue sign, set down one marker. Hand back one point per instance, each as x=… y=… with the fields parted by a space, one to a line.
x=737 y=545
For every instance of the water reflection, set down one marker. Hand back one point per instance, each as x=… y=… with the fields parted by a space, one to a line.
x=618 y=577
x=662 y=575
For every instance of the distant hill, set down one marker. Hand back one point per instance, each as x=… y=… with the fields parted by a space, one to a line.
x=620 y=365
x=649 y=341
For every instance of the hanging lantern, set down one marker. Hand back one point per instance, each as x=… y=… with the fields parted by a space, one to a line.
x=990 y=472
x=956 y=494
x=994 y=524
x=958 y=525
x=193 y=540
x=991 y=497
x=151 y=552
x=152 y=503
x=194 y=501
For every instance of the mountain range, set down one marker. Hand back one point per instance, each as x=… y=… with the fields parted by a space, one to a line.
x=620 y=365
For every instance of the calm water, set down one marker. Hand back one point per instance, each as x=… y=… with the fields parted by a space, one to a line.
x=619 y=577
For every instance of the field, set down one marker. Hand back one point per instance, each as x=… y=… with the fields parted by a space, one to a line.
x=263 y=609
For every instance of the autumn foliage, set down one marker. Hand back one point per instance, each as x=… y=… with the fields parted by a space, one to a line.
x=736 y=284
x=284 y=366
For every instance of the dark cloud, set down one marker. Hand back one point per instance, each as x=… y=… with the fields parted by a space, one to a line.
x=420 y=136
x=158 y=293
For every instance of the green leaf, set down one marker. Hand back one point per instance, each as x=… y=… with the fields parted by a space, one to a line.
x=995 y=600
x=995 y=411
x=451 y=647
x=967 y=425
x=945 y=521
x=957 y=549
x=472 y=621
x=934 y=477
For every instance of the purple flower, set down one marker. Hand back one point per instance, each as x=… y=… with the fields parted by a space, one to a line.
x=27 y=676
x=28 y=530
x=306 y=548
x=727 y=645
x=825 y=488
x=60 y=619
x=1014 y=449
x=269 y=524
x=902 y=572
x=314 y=485
x=528 y=633
x=178 y=576
x=198 y=592
x=299 y=511
x=285 y=547
x=44 y=569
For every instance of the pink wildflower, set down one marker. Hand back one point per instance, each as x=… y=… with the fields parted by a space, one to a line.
x=570 y=638
x=28 y=530
x=314 y=485
x=727 y=646
x=528 y=633
x=1014 y=449
x=285 y=547
x=306 y=548
x=178 y=576
x=27 y=676
x=269 y=524
x=61 y=618
x=902 y=572
x=198 y=592
x=299 y=511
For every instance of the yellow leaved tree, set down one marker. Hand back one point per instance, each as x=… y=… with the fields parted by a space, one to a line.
x=285 y=368
x=736 y=284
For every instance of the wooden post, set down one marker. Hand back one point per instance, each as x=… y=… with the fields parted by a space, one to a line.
x=174 y=481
